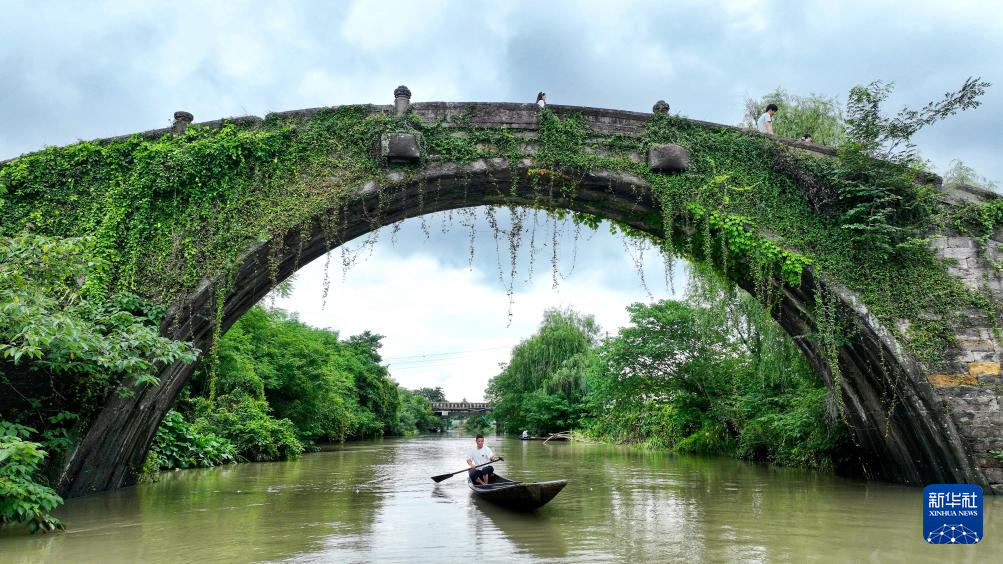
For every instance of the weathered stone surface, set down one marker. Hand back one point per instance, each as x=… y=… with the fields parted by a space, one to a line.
x=402 y=100
x=399 y=147
x=984 y=368
x=978 y=345
x=182 y=120
x=668 y=158
x=952 y=380
x=995 y=475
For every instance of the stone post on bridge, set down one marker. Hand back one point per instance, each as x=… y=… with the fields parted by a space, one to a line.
x=181 y=122
x=402 y=100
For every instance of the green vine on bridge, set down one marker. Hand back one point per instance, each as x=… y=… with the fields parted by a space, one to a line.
x=163 y=215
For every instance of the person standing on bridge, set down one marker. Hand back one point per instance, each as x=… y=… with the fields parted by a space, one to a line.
x=765 y=122
x=481 y=455
x=541 y=100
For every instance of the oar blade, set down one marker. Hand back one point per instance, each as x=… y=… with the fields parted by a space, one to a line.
x=441 y=477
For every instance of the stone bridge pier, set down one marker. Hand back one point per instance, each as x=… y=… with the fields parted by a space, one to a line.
x=971 y=392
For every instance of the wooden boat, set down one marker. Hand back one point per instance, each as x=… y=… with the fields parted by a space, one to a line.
x=517 y=495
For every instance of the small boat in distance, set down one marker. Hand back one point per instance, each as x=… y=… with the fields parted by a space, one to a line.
x=517 y=495
x=549 y=437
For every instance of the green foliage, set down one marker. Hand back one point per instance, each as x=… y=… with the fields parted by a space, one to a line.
x=884 y=206
x=280 y=384
x=46 y=316
x=890 y=138
x=541 y=389
x=69 y=346
x=820 y=116
x=415 y=413
x=176 y=445
x=377 y=395
x=23 y=499
x=712 y=380
x=245 y=422
x=979 y=221
x=478 y=424
x=435 y=394
x=961 y=174
x=330 y=389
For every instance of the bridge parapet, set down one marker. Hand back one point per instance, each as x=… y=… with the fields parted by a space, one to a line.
x=446 y=407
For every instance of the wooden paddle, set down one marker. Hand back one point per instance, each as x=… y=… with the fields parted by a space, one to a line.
x=442 y=477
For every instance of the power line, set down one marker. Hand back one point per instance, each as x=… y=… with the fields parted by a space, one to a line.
x=421 y=356
x=420 y=367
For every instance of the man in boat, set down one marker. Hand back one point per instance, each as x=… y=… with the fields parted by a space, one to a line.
x=481 y=455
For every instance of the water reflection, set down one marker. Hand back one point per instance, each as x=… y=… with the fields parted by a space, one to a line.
x=532 y=533
x=375 y=502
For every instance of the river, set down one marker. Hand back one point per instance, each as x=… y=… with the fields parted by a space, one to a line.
x=375 y=502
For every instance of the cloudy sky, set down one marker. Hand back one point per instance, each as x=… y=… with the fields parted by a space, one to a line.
x=112 y=68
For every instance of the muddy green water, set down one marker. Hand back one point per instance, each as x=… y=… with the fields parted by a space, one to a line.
x=375 y=502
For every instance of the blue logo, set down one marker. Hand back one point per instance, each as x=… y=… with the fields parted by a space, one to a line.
x=952 y=514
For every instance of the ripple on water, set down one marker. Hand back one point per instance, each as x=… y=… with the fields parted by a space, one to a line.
x=375 y=502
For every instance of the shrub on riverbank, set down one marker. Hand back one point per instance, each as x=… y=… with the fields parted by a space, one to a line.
x=245 y=422
x=23 y=498
x=177 y=445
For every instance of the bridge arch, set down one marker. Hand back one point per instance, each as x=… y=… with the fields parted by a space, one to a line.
x=911 y=440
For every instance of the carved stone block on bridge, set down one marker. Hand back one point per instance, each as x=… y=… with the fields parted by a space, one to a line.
x=399 y=147
x=668 y=158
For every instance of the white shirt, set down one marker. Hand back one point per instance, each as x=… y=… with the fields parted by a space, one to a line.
x=763 y=120
x=541 y=103
x=480 y=456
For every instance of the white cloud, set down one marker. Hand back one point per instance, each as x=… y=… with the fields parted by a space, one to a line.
x=426 y=305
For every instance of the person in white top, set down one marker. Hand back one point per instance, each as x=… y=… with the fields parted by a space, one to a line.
x=765 y=122
x=481 y=455
x=541 y=99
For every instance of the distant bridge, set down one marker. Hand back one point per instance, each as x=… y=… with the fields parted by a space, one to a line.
x=451 y=407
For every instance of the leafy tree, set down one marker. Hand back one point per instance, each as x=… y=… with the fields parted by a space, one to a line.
x=960 y=173
x=276 y=374
x=245 y=422
x=72 y=344
x=882 y=207
x=890 y=138
x=435 y=394
x=665 y=359
x=818 y=115
x=711 y=379
x=478 y=424
x=544 y=384
x=415 y=413
x=47 y=317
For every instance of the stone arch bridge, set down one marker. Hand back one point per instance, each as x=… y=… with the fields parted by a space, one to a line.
x=914 y=421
